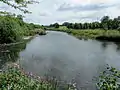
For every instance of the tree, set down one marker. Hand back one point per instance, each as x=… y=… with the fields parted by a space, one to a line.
x=115 y=23
x=104 y=22
x=118 y=22
x=110 y=24
x=18 y=4
x=80 y=24
x=56 y=25
x=7 y=30
x=20 y=17
x=94 y=25
x=65 y=24
x=76 y=26
x=71 y=25
x=51 y=25
x=118 y=18
x=85 y=26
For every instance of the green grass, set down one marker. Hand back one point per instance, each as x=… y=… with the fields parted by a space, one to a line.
x=93 y=34
x=110 y=35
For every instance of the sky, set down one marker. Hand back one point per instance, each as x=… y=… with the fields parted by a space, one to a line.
x=52 y=11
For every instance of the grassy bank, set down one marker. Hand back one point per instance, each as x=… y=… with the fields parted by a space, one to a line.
x=15 y=78
x=109 y=35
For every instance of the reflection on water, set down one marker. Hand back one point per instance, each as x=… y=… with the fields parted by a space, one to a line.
x=67 y=58
x=10 y=53
x=63 y=56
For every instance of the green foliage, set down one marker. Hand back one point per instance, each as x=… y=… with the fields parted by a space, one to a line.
x=109 y=79
x=13 y=28
x=56 y=25
x=16 y=79
x=100 y=34
x=7 y=31
x=19 y=4
x=94 y=34
x=106 y=24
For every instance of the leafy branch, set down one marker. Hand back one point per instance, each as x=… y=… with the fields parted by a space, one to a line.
x=19 y=4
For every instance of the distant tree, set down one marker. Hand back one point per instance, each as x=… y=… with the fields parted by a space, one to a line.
x=118 y=22
x=85 y=26
x=92 y=25
x=65 y=24
x=110 y=24
x=80 y=24
x=51 y=25
x=105 y=19
x=118 y=18
x=56 y=25
x=104 y=22
x=71 y=25
x=76 y=26
x=115 y=23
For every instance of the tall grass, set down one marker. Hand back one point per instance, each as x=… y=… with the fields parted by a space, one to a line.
x=93 y=34
x=110 y=35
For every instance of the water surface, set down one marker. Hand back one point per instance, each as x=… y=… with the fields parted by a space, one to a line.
x=68 y=58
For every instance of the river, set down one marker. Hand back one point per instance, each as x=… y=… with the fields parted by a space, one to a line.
x=65 y=57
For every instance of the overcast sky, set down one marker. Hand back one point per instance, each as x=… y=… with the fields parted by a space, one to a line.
x=51 y=11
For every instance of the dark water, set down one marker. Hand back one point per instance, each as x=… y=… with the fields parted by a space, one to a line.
x=65 y=57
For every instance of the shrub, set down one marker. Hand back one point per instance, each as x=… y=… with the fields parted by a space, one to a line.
x=15 y=79
x=12 y=29
x=7 y=31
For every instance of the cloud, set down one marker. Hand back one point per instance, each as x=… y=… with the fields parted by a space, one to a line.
x=46 y=13
x=3 y=7
x=90 y=1
x=88 y=7
x=51 y=11
x=87 y=16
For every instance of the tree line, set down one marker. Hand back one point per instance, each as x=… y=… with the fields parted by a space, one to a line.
x=105 y=23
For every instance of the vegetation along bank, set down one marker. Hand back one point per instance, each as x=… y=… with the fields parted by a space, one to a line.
x=13 y=28
x=15 y=78
x=106 y=29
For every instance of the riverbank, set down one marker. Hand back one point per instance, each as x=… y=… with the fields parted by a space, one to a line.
x=27 y=37
x=98 y=34
x=37 y=31
x=13 y=29
x=24 y=39
x=15 y=78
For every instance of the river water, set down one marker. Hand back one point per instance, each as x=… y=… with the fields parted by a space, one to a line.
x=65 y=57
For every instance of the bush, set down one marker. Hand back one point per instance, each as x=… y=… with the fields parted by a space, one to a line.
x=15 y=79
x=7 y=31
x=12 y=29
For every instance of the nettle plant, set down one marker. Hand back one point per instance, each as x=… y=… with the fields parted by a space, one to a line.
x=109 y=79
